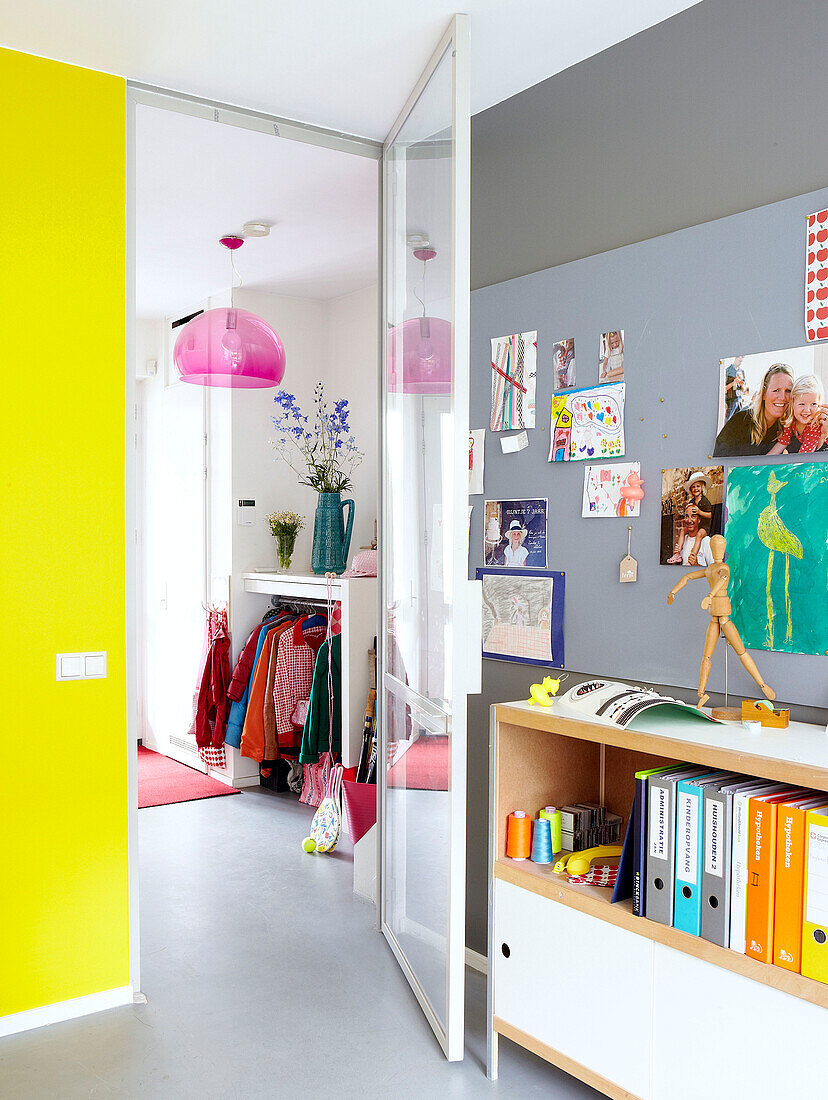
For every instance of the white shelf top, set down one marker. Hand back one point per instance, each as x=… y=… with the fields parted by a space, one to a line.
x=308 y=585
x=800 y=743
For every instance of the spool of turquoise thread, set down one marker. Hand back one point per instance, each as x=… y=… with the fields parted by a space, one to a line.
x=541 y=841
x=553 y=816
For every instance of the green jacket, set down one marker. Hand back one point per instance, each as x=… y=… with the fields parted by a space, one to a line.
x=316 y=731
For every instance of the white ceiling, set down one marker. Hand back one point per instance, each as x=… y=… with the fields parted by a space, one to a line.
x=344 y=65
x=196 y=180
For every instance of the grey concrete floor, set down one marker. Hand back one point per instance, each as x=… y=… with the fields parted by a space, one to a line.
x=264 y=977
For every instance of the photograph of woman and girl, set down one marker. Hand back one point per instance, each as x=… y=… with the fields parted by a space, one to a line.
x=773 y=403
x=691 y=512
x=611 y=357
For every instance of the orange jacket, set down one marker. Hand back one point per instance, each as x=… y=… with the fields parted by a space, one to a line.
x=253 y=734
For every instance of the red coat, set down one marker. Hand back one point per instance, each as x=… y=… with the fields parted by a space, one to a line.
x=213 y=705
x=244 y=666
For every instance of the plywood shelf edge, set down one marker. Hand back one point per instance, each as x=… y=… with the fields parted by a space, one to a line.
x=742 y=758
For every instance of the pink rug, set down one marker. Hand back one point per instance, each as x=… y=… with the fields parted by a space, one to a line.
x=162 y=781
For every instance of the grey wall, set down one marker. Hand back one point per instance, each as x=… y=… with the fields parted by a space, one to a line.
x=712 y=112
x=728 y=287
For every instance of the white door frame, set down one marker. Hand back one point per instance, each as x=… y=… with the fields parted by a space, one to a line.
x=466 y=596
x=224 y=113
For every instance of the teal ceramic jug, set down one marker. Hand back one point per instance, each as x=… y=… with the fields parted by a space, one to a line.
x=331 y=536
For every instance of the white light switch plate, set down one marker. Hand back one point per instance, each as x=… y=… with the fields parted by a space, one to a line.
x=81 y=666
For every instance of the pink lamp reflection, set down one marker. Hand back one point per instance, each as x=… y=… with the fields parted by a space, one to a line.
x=419 y=350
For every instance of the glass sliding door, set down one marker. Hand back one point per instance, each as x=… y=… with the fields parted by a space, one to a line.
x=430 y=623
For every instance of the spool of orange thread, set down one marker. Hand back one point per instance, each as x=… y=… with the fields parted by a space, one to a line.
x=518 y=835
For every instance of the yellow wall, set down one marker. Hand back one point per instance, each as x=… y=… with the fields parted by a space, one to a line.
x=63 y=791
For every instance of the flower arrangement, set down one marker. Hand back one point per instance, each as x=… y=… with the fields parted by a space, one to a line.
x=327 y=450
x=285 y=526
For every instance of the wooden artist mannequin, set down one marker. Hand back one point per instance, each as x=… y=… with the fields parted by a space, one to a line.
x=717 y=603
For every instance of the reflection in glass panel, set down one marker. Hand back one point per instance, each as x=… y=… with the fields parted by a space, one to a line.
x=419 y=535
x=419 y=399
x=417 y=832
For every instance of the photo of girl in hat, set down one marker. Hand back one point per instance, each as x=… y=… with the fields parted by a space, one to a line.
x=514 y=533
x=691 y=512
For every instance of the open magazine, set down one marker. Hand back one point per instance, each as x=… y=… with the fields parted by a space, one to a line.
x=616 y=704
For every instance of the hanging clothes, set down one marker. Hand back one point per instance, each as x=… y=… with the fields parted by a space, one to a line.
x=211 y=707
x=253 y=741
x=244 y=666
x=238 y=707
x=316 y=734
x=294 y=678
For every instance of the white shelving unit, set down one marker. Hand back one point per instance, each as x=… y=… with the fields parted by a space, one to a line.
x=358 y=599
x=637 y=1010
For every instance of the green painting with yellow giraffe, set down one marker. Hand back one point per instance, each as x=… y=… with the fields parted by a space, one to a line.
x=777 y=550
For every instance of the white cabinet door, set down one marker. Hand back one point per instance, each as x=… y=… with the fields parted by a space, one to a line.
x=578 y=984
x=718 y=1034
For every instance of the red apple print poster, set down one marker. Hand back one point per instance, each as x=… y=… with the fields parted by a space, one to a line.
x=816 y=276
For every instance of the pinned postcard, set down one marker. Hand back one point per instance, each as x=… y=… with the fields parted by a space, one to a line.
x=514 y=373
x=563 y=361
x=588 y=423
x=816 y=276
x=477 y=438
x=611 y=356
x=604 y=491
x=510 y=444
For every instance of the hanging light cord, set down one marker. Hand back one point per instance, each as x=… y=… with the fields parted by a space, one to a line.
x=234 y=271
x=422 y=287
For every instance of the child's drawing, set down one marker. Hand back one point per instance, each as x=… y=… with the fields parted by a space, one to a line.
x=523 y=615
x=588 y=423
x=602 y=491
x=775 y=607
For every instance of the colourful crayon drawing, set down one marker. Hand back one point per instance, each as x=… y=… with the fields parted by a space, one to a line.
x=602 y=491
x=588 y=423
x=514 y=373
x=768 y=516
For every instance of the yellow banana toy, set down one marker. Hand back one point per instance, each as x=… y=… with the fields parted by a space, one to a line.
x=578 y=863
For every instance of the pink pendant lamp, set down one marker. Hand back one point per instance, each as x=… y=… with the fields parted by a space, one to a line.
x=229 y=347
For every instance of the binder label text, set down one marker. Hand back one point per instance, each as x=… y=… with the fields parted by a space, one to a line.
x=658 y=822
x=713 y=838
x=686 y=836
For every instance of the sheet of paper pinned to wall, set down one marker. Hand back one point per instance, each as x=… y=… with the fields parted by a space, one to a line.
x=588 y=423
x=511 y=444
x=602 y=491
x=816 y=276
x=514 y=373
x=777 y=550
x=477 y=437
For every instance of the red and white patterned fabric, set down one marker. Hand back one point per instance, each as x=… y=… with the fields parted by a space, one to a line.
x=213 y=757
x=293 y=680
x=336 y=619
x=599 y=874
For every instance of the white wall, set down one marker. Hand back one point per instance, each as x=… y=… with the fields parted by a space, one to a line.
x=335 y=342
x=352 y=324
